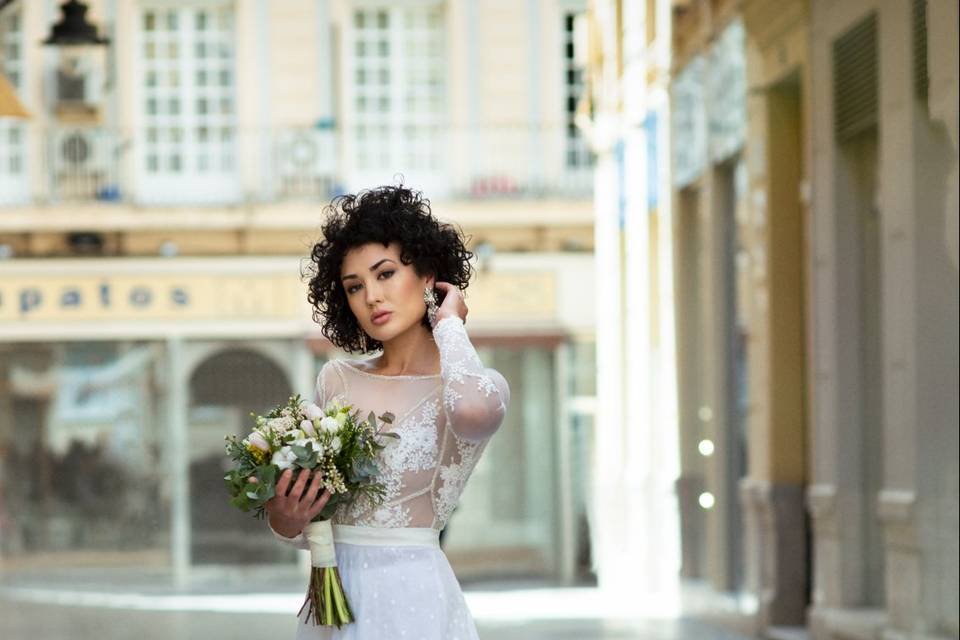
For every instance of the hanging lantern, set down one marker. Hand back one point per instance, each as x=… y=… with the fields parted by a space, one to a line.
x=73 y=29
x=81 y=66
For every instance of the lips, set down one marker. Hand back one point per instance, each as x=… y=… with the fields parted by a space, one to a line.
x=380 y=317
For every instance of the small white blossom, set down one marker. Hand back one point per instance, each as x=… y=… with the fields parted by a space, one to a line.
x=329 y=424
x=335 y=444
x=281 y=425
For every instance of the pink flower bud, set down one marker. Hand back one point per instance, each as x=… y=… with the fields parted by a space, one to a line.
x=257 y=440
x=307 y=427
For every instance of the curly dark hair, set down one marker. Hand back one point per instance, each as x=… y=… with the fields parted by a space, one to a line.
x=385 y=214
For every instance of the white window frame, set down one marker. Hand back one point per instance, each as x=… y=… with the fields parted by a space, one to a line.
x=413 y=138
x=14 y=148
x=209 y=172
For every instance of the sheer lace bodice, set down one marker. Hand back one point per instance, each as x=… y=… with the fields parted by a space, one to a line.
x=444 y=422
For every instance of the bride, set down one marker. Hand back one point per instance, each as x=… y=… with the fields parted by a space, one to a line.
x=375 y=278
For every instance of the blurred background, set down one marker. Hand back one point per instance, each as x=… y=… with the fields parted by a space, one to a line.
x=717 y=244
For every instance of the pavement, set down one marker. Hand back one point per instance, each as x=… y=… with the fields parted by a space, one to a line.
x=79 y=608
x=30 y=621
x=33 y=619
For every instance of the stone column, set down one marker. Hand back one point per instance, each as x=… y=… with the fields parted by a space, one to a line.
x=775 y=525
x=178 y=463
x=835 y=497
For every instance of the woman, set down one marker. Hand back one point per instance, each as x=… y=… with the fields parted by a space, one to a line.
x=374 y=274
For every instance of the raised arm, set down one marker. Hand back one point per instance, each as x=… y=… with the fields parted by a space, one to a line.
x=475 y=397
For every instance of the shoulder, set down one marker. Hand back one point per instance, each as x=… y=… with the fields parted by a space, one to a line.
x=329 y=372
x=325 y=371
x=365 y=364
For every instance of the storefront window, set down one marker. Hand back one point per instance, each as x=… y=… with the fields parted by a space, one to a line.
x=81 y=444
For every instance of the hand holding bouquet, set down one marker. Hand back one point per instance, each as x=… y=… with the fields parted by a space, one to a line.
x=341 y=451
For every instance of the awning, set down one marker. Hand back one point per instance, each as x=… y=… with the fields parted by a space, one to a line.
x=9 y=103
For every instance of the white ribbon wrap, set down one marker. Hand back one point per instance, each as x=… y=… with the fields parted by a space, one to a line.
x=387 y=536
x=320 y=536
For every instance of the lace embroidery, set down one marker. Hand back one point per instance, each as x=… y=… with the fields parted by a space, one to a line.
x=416 y=450
x=443 y=434
x=453 y=477
x=459 y=360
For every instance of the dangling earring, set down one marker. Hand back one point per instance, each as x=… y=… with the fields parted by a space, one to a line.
x=363 y=341
x=431 y=303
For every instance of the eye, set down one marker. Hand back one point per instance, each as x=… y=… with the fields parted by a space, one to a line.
x=385 y=274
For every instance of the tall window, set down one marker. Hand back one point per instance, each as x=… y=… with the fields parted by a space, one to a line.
x=397 y=73
x=13 y=133
x=577 y=152
x=188 y=105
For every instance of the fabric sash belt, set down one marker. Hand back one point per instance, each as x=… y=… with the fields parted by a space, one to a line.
x=387 y=536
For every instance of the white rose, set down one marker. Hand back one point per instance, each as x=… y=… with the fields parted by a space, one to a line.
x=284 y=458
x=329 y=424
x=307 y=427
x=257 y=440
x=335 y=444
x=312 y=411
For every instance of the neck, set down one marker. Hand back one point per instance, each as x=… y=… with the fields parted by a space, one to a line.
x=413 y=352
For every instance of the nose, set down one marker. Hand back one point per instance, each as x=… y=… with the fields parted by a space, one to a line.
x=374 y=294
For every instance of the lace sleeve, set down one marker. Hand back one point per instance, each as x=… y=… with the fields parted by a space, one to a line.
x=299 y=541
x=475 y=398
x=320 y=397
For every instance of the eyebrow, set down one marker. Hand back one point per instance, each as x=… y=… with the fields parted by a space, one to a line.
x=353 y=275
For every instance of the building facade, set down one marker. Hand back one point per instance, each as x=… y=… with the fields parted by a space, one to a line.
x=812 y=189
x=884 y=481
x=155 y=211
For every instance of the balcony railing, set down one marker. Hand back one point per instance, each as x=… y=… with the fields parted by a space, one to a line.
x=225 y=165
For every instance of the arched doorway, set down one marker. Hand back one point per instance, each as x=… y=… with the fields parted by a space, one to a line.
x=224 y=389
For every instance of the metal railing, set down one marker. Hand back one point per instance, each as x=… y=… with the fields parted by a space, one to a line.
x=226 y=165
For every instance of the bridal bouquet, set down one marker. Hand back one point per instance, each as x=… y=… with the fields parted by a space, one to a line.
x=332 y=441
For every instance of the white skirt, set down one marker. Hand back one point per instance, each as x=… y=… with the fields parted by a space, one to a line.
x=399 y=584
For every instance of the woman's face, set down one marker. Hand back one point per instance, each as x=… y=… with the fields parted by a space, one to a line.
x=374 y=280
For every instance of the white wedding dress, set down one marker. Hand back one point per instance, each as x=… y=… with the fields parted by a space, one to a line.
x=397 y=579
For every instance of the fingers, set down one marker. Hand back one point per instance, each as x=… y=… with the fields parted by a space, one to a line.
x=296 y=500
x=298 y=486
x=314 y=487
x=281 y=489
x=318 y=506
